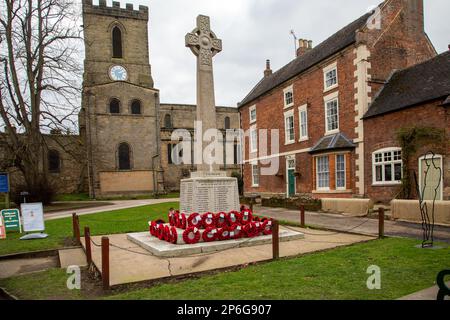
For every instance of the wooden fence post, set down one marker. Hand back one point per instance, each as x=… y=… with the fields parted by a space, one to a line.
x=76 y=228
x=105 y=262
x=302 y=216
x=275 y=240
x=381 y=223
x=87 y=242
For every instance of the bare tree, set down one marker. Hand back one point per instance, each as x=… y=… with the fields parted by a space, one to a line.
x=40 y=78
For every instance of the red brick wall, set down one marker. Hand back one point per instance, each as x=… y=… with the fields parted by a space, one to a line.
x=383 y=131
x=308 y=89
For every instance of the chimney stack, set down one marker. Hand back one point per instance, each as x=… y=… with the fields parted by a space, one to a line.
x=268 y=71
x=304 y=46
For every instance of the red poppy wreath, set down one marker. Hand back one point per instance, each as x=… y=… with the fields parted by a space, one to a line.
x=191 y=235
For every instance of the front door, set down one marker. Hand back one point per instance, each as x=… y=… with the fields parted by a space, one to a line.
x=431 y=177
x=290 y=163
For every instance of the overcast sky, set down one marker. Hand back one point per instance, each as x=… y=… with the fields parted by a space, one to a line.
x=252 y=31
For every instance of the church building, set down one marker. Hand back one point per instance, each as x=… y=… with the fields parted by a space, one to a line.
x=124 y=139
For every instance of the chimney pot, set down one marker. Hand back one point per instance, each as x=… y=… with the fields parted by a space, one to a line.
x=268 y=71
x=304 y=47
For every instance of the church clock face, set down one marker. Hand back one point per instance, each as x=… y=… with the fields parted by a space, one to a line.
x=118 y=73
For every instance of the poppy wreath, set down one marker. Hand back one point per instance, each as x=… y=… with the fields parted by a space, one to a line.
x=233 y=217
x=267 y=227
x=171 y=218
x=236 y=231
x=191 y=235
x=251 y=230
x=195 y=220
x=183 y=222
x=166 y=233
x=209 y=220
x=152 y=227
x=210 y=234
x=160 y=231
x=246 y=216
x=173 y=235
x=176 y=220
x=221 y=220
x=224 y=233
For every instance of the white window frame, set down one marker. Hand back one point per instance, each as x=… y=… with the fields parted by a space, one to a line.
x=326 y=70
x=331 y=98
x=252 y=108
x=301 y=109
x=336 y=171
x=317 y=173
x=287 y=140
x=383 y=182
x=287 y=90
x=253 y=148
x=255 y=164
x=437 y=157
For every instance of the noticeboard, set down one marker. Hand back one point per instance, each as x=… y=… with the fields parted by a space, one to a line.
x=11 y=219
x=32 y=216
x=4 y=182
x=2 y=228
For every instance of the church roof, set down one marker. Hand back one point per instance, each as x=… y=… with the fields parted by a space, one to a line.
x=423 y=82
x=332 y=142
x=337 y=42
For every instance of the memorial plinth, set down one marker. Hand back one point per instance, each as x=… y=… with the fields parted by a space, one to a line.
x=209 y=192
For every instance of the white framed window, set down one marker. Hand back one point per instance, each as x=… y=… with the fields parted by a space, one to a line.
x=288 y=94
x=303 y=122
x=253 y=139
x=331 y=113
x=387 y=166
x=323 y=173
x=330 y=77
x=252 y=114
x=289 y=130
x=340 y=172
x=255 y=175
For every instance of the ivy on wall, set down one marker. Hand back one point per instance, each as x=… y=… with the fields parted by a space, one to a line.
x=412 y=139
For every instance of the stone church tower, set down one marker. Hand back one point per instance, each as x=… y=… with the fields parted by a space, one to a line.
x=119 y=119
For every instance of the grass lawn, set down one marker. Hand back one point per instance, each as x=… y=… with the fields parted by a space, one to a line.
x=336 y=274
x=108 y=222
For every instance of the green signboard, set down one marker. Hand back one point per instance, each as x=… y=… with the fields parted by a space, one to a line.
x=11 y=217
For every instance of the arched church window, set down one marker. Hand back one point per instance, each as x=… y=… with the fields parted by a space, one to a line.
x=114 y=106
x=227 y=122
x=136 y=107
x=124 y=153
x=167 y=121
x=117 y=42
x=54 y=161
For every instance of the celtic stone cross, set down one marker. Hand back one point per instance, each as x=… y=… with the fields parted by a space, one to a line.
x=205 y=45
x=203 y=42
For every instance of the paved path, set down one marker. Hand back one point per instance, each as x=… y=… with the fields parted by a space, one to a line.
x=427 y=294
x=115 y=205
x=354 y=224
x=136 y=264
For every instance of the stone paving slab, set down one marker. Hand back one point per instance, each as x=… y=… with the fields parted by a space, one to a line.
x=15 y=267
x=136 y=264
x=164 y=249
x=72 y=257
x=426 y=294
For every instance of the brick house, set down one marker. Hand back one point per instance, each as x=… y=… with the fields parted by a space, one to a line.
x=318 y=100
x=416 y=97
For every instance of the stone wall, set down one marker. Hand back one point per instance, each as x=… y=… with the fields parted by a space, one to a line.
x=183 y=117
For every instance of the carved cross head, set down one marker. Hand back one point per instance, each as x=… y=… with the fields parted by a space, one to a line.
x=203 y=42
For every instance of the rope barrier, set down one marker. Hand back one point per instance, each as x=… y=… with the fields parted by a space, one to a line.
x=332 y=233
